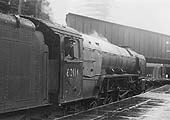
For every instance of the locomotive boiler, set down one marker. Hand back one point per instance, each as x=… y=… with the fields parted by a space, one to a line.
x=46 y=64
x=102 y=58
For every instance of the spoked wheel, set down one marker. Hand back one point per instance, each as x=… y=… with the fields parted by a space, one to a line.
x=108 y=99
x=93 y=104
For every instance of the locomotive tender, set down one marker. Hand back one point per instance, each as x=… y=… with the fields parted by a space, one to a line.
x=44 y=63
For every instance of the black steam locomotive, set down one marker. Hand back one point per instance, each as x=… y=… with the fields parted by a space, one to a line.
x=46 y=64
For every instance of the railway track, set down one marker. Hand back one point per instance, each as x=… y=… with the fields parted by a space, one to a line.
x=143 y=106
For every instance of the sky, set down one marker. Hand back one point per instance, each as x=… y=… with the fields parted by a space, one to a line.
x=150 y=15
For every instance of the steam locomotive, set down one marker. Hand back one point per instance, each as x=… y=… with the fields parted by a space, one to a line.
x=46 y=64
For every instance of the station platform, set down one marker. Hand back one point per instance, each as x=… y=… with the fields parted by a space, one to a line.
x=152 y=105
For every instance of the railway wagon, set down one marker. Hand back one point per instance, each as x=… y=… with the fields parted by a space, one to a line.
x=46 y=64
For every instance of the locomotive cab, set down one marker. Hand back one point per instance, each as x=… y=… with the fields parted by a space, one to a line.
x=65 y=61
x=72 y=69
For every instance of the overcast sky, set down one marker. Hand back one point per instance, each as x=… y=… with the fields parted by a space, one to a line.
x=151 y=15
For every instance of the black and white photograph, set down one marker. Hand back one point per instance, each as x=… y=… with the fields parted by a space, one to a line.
x=84 y=60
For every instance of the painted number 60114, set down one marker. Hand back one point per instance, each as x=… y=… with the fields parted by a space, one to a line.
x=72 y=72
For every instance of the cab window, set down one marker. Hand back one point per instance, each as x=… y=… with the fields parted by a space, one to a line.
x=71 y=48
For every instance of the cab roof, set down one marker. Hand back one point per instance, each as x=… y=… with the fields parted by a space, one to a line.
x=56 y=28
